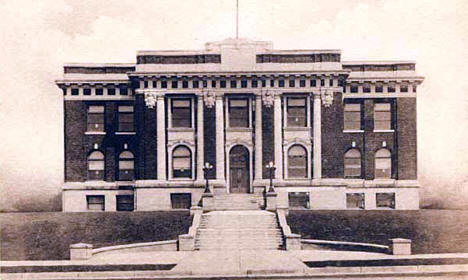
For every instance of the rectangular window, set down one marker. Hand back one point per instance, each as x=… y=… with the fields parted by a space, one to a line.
x=292 y=83
x=123 y=90
x=299 y=200
x=254 y=83
x=281 y=82
x=404 y=88
x=355 y=201
x=222 y=84
x=391 y=88
x=385 y=200
x=354 y=88
x=99 y=91
x=195 y=84
x=322 y=82
x=382 y=116
x=302 y=83
x=330 y=82
x=95 y=202
x=145 y=83
x=174 y=84
x=95 y=118
x=352 y=116
x=163 y=84
x=154 y=84
x=111 y=91
x=184 y=84
x=125 y=203
x=74 y=91
x=243 y=83
x=233 y=83
x=181 y=112
x=87 y=91
x=238 y=113
x=263 y=83
x=181 y=200
x=378 y=88
x=272 y=82
x=313 y=82
x=297 y=112
x=366 y=88
x=126 y=118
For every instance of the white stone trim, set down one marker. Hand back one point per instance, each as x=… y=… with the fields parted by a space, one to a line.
x=95 y=133
x=353 y=131
x=384 y=130
x=125 y=133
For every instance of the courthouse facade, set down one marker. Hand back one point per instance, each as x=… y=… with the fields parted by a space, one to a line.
x=341 y=135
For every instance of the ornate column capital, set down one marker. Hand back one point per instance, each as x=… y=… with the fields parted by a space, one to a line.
x=209 y=98
x=151 y=97
x=326 y=96
x=268 y=97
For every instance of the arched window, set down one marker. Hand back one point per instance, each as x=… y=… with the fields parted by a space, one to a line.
x=352 y=164
x=383 y=164
x=96 y=166
x=297 y=162
x=181 y=162
x=126 y=166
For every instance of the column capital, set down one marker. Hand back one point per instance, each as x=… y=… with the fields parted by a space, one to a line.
x=151 y=97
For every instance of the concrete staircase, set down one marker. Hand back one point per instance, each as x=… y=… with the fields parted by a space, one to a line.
x=237 y=201
x=239 y=230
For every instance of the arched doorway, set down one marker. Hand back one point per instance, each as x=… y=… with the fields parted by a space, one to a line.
x=239 y=177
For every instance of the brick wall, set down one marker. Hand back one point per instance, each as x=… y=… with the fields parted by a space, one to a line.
x=209 y=129
x=406 y=138
x=332 y=133
x=75 y=127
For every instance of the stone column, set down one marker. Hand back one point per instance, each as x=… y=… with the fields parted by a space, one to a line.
x=219 y=138
x=258 y=138
x=161 y=137
x=200 y=138
x=278 y=137
x=317 y=136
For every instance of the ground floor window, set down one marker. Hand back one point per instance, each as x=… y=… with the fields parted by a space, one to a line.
x=181 y=200
x=385 y=200
x=95 y=202
x=355 y=201
x=125 y=203
x=299 y=200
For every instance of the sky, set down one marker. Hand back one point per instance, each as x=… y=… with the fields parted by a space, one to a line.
x=38 y=37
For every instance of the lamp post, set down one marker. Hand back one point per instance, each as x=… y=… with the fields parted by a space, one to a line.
x=271 y=168
x=207 y=167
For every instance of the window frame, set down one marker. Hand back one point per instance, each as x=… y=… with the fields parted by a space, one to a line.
x=233 y=116
x=91 y=125
x=182 y=174
x=289 y=107
x=103 y=203
x=303 y=168
x=347 y=111
x=380 y=123
x=126 y=174
x=361 y=201
x=175 y=118
x=347 y=157
x=388 y=162
x=96 y=174
x=122 y=113
x=119 y=204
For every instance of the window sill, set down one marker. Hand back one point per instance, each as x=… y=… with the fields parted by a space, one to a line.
x=125 y=133
x=353 y=131
x=182 y=179
x=181 y=129
x=95 y=133
x=384 y=130
x=239 y=129
x=297 y=128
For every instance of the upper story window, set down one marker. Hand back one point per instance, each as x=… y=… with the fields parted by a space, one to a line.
x=184 y=83
x=354 y=88
x=86 y=91
x=366 y=88
x=181 y=112
x=74 y=91
x=243 y=82
x=292 y=82
x=233 y=83
x=382 y=116
x=391 y=88
x=222 y=83
x=313 y=82
x=126 y=116
x=124 y=90
x=95 y=118
x=254 y=82
x=126 y=166
x=163 y=83
x=352 y=116
x=195 y=83
x=379 y=87
x=263 y=82
x=297 y=162
x=352 y=164
x=181 y=162
x=281 y=82
x=96 y=166
x=302 y=82
x=383 y=164
x=296 y=112
x=404 y=88
x=111 y=91
x=238 y=112
x=99 y=91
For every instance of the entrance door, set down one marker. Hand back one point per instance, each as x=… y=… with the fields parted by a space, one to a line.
x=239 y=170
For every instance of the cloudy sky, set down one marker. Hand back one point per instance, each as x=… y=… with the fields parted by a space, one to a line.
x=37 y=37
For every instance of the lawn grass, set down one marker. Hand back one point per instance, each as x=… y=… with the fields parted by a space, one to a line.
x=431 y=231
x=47 y=236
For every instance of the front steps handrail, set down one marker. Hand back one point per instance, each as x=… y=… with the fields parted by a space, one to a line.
x=292 y=241
x=187 y=241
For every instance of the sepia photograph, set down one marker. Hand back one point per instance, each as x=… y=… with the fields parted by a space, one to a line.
x=233 y=139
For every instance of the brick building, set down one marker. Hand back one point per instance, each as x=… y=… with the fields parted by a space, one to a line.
x=342 y=135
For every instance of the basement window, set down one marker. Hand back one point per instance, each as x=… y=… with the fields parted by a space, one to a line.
x=95 y=202
x=181 y=200
x=385 y=200
x=355 y=201
x=125 y=202
x=299 y=200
